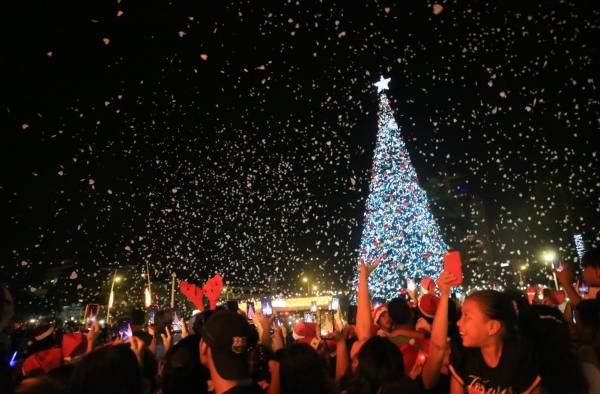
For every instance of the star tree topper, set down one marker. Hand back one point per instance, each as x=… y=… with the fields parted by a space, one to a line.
x=382 y=84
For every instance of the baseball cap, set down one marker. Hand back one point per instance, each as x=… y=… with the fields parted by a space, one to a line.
x=230 y=339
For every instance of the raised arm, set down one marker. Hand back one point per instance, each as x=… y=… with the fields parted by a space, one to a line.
x=363 y=309
x=439 y=334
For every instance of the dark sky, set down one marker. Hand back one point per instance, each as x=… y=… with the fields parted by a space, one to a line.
x=237 y=137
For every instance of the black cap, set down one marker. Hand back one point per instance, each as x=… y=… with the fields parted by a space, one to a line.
x=230 y=338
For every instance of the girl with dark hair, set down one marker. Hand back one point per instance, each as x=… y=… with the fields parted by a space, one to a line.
x=302 y=370
x=493 y=357
x=182 y=372
x=379 y=369
x=110 y=369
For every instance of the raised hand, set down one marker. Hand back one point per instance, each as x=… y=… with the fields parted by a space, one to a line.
x=137 y=345
x=167 y=339
x=366 y=269
x=445 y=281
x=184 y=328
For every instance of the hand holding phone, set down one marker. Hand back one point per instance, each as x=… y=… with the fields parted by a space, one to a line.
x=453 y=265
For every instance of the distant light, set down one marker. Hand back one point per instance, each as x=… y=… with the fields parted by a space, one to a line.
x=195 y=312
x=32 y=321
x=549 y=256
x=579 y=245
x=101 y=322
x=505 y=264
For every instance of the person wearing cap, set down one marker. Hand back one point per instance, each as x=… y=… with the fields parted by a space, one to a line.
x=224 y=350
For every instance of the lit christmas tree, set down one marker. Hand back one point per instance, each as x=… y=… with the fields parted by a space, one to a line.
x=398 y=223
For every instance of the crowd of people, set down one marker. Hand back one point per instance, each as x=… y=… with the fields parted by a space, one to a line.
x=491 y=342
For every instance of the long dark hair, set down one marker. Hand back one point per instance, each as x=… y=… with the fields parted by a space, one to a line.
x=183 y=372
x=109 y=369
x=503 y=308
x=303 y=371
x=560 y=369
x=380 y=367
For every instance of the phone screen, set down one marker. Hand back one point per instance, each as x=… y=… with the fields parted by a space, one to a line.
x=351 y=314
x=250 y=310
x=124 y=329
x=267 y=308
x=313 y=306
x=452 y=263
x=91 y=311
x=309 y=317
x=335 y=303
x=326 y=323
x=583 y=287
x=176 y=322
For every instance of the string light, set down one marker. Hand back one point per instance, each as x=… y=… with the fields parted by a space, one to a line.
x=579 y=245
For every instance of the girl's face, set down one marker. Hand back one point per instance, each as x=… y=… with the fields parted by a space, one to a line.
x=474 y=326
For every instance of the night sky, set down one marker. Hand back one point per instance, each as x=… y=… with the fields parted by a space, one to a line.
x=237 y=137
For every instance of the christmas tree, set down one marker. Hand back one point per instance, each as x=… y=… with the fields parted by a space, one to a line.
x=398 y=223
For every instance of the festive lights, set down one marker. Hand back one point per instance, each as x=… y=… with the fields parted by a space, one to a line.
x=579 y=245
x=398 y=224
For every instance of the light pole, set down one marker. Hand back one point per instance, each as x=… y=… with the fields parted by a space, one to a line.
x=111 y=296
x=549 y=256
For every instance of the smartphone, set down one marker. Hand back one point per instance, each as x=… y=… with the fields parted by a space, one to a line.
x=91 y=311
x=313 y=306
x=335 y=303
x=452 y=264
x=558 y=266
x=266 y=306
x=352 y=314
x=232 y=305
x=250 y=312
x=584 y=289
x=309 y=317
x=326 y=323
x=175 y=322
x=151 y=315
x=124 y=329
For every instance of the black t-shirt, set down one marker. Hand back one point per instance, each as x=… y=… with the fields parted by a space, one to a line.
x=251 y=388
x=515 y=373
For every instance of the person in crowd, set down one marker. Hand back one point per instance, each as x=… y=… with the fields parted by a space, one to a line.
x=590 y=276
x=491 y=356
x=302 y=370
x=162 y=339
x=382 y=320
x=108 y=369
x=378 y=369
x=182 y=372
x=586 y=331
x=224 y=350
x=138 y=326
x=561 y=371
x=6 y=314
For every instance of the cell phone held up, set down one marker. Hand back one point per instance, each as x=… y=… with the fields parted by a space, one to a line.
x=90 y=314
x=453 y=264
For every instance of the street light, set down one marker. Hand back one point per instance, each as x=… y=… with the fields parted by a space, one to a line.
x=549 y=257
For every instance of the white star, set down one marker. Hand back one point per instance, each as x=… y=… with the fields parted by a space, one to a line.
x=382 y=84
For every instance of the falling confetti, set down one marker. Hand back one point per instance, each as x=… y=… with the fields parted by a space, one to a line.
x=256 y=164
